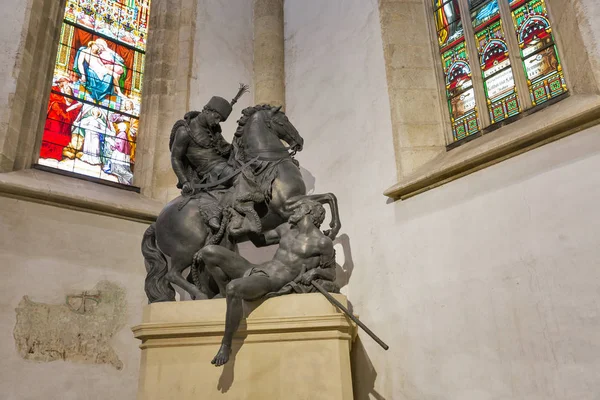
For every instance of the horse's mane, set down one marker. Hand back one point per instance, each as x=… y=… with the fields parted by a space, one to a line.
x=237 y=142
x=250 y=111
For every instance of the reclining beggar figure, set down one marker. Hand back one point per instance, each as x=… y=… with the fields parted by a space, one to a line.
x=304 y=254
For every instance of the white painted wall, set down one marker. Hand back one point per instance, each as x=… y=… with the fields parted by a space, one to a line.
x=47 y=253
x=222 y=55
x=13 y=17
x=588 y=12
x=485 y=288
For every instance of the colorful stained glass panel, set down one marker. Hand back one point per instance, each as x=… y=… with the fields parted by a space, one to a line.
x=463 y=115
x=541 y=61
x=499 y=82
x=460 y=92
x=544 y=75
x=503 y=101
x=485 y=14
x=447 y=14
x=457 y=71
x=515 y=3
x=492 y=48
x=92 y=120
x=450 y=35
x=438 y=3
x=533 y=27
x=462 y=104
x=122 y=20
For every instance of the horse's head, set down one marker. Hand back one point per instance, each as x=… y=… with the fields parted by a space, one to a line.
x=263 y=128
x=283 y=128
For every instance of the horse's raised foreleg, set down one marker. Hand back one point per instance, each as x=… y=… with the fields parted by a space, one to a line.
x=324 y=198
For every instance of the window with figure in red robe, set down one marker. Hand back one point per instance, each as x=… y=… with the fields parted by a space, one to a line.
x=93 y=112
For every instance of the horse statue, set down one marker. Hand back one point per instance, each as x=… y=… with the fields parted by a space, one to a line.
x=180 y=230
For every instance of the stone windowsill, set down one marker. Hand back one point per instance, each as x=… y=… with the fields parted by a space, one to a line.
x=62 y=191
x=552 y=123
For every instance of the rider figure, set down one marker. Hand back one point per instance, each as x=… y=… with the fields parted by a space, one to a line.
x=199 y=153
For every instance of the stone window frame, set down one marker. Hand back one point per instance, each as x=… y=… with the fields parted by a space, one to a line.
x=581 y=109
x=170 y=21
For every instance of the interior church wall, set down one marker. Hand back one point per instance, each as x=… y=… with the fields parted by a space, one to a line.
x=222 y=55
x=52 y=255
x=588 y=13
x=27 y=37
x=216 y=44
x=13 y=12
x=484 y=288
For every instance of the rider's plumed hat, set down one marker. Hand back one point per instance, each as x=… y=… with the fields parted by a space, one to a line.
x=222 y=106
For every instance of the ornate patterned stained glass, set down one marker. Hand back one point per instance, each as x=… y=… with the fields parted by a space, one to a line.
x=93 y=112
x=498 y=79
x=449 y=25
x=457 y=72
x=541 y=61
x=459 y=91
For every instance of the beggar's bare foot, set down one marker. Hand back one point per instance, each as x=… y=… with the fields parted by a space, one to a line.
x=222 y=356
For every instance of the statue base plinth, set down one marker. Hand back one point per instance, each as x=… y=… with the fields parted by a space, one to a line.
x=289 y=347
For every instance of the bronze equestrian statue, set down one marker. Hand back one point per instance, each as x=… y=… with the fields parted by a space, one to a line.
x=250 y=189
x=230 y=193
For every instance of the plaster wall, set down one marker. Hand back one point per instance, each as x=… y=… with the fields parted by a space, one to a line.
x=223 y=53
x=588 y=12
x=486 y=287
x=14 y=13
x=26 y=52
x=221 y=58
x=48 y=253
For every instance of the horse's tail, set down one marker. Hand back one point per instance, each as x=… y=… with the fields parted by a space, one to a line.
x=157 y=287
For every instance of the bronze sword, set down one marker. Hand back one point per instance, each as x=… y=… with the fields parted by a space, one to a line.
x=349 y=314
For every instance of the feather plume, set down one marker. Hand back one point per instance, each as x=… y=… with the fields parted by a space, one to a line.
x=243 y=89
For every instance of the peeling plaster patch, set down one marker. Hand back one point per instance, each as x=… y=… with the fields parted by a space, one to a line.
x=78 y=331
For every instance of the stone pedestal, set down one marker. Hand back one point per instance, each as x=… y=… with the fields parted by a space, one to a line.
x=290 y=347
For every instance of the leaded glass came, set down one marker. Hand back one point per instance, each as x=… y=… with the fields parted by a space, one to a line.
x=93 y=112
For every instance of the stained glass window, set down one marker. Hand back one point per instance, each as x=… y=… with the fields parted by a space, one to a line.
x=498 y=43
x=457 y=71
x=498 y=79
x=541 y=62
x=93 y=113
